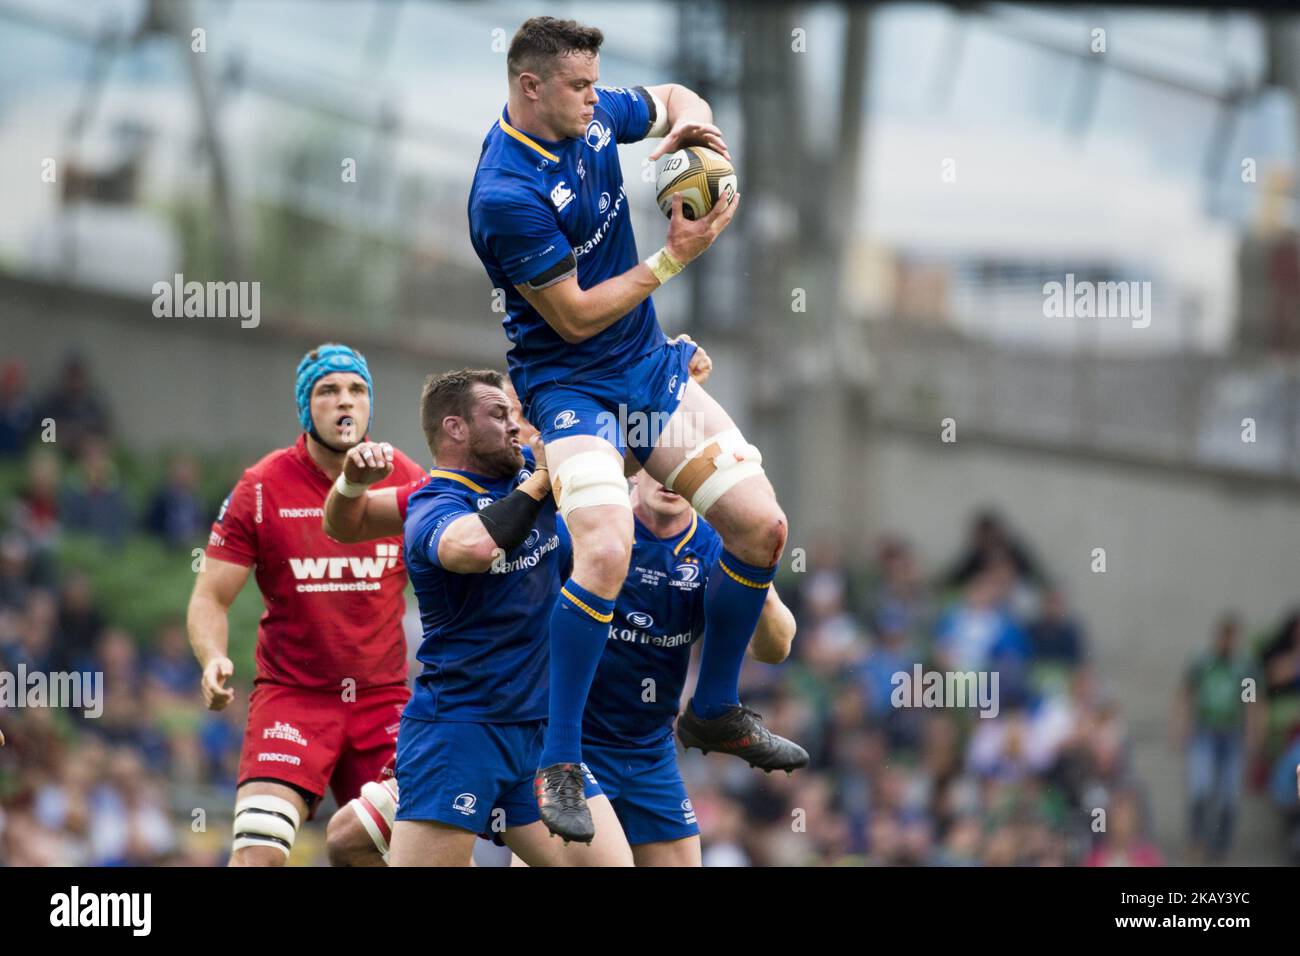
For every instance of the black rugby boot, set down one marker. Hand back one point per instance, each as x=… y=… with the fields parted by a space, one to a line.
x=562 y=803
x=740 y=732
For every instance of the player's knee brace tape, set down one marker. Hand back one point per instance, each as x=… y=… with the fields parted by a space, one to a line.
x=590 y=478
x=376 y=808
x=714 y=466
x=264 y=820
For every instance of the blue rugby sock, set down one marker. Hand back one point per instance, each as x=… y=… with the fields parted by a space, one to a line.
x=733 y=602
x=579 y=630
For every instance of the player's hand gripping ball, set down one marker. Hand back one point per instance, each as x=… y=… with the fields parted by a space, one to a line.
x=700 y=175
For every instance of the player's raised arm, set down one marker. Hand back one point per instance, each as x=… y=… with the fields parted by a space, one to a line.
x=775 y=631
x=576 y=313
x=352 y=511
x=685 y=120
x=215 y=589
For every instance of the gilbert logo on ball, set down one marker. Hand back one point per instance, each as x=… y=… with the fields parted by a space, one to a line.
x=700 y=175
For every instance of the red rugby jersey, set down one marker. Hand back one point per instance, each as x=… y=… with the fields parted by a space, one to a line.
x=333 y=611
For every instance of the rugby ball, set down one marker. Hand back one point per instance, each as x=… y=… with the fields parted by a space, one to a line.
x=700 y=175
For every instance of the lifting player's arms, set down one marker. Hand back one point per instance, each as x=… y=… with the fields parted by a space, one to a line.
x=548 y=220
x=304 y=733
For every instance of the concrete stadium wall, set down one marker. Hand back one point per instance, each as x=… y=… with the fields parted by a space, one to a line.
x=211 y=385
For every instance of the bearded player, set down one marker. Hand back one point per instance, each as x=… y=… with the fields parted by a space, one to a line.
x=485 y=551
x=549 y=220
x=331 y=654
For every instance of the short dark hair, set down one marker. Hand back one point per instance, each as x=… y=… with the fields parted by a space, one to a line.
x=451 y=393
x=541 y=40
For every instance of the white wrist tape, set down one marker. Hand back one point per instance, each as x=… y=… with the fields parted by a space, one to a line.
x=348 y=489
x=664 y=266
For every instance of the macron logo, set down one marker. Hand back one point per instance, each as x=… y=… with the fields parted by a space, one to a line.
x=319 y=569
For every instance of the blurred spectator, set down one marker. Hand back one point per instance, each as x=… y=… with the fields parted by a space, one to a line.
x=171 y=666
x=814 y=678
x=117 y=658
x=1103 y=752
x=79 y=624
x=17 y=414
x=95 y=503
x=1281 y=659
x=1282 y=790
x=980 y=628
x=1122 y=842
x=33 y=642
x=961 y=846
x=62 y=800
x=890 y=654
x=15 y=570
x=220 y=736
x=35 y=511
x=726 y=824
x=821 y=590
x=901 y=601
x=1216 y=726
x=79 y=411
x=990 y=540
x=176 y=513
x=1056 y=643
x=28 y=842
x=1014 y=745
x=129 y=826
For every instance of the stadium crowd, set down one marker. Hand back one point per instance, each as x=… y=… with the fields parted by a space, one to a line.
x=888 y=785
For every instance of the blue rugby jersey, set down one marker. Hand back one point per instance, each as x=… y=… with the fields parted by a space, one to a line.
x=485 y=651
x=659 y=614
x=534 y=204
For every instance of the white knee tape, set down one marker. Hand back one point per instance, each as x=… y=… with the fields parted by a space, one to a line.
x=591 y=478
x=264 y=820
x=376 y=808
x=713 y=467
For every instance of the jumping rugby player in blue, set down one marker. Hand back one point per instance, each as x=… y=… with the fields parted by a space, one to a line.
x=627 y=739
x=549 y=219
x=485 y=553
